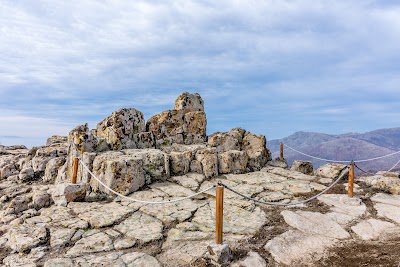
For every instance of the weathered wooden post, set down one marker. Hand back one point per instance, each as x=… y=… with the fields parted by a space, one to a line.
x=351 y=180
x=281 y=152
x=75 y=170
x=219 y=213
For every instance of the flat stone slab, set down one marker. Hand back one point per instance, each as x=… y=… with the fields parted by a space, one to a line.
x=236 y=219
x=60 y=236
x=256 y=178
x=26 y=236
x=189 y=180
x=296 y=248
x=387 y=199
x=58 y=216
x=142 y=227
x=373 y=229
x=291 y=174
x=253 y=259
x=100 y=215
x=98 y=242
x=314 y=223
x=115 y=259
x=340 y=203
x=388 y=211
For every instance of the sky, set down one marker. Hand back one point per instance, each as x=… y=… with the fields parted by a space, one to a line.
x=273 y=67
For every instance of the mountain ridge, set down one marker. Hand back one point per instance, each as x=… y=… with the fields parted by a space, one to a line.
x=342 y=147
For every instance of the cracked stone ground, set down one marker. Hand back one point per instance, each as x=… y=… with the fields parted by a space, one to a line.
x=116 y=232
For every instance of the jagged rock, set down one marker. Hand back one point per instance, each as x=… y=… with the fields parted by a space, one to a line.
x=219 y=254
x=255 y=147
x=232 y=161
x=26 y=174
x=314 y=223
x=64 y=193
x=119 y=128
x=26 y=260
x=295 y=248
x=231 y=140
x=26 y=236
x=373 y=229
x=144 y=140
x=330 y=170
x=45 y=154
x=83 y=175
x=41 y=199
x=59 y=237
x=98 y=242
x=18 y=204
x=195 y=166
x=305 y=167
x=278 y=163
x=52 y=168
x=388 y=183
x=81 y=140
x=7 y=170
x=122 y=173
x=180 y=162
x=167 y=127
x=209 y=161
x=142 y=227
x=194 y=127
x=253 y=259
x=189 y=102
x=56 y=139
x=100 y=215
x=156 y=164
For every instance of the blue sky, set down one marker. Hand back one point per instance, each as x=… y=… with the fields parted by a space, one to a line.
x=272 y=67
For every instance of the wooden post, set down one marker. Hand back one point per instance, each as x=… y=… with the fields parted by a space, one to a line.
x=219 y=213
x=281 y=151
x=75 y=170
x=351 y=180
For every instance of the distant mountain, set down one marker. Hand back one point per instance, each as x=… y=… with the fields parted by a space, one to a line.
x=350 y=146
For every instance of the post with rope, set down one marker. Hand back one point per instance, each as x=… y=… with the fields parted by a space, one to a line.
x=75 y=170
x=219 y=213
x=281 y=151
x=351 y=180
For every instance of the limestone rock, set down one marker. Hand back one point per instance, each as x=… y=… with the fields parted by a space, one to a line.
x=278 y=163
x=209 y=161
x=340 y=203
x=82 y=140
x=119 y=128
x=231 y=140
x=189 y=102
x=330 y=170
x=156 y=164
x=194 y=127
x=52 y=167
x=255 y=146
x=387 y=183
x=189 y=180
x=305 y=167
x=64 y=193
x=98 y=242
x=219 y=254
x=314 y=223
x=144 y=140
x=373 y=229
x=59 y=262
x=133 y=259
x=8 y=170
x=18 y=204
x=45 y=154
x=295 y=248
x=122 y=173
x=26 y=236
x=100 y=215
x=253 y=259
x=180 y=162
x=142 y=227
x=59 y=237
x=26 y=174
x=387 y=199
x=57 y=217
x=56 y=139
x=232 y=161
x=167 y=127
x=41 y=199
x=388 y=211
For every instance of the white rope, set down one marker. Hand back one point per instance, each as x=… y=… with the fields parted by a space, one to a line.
x=292 y=203
x=143 y=201
x=394 y=166
x=342 y=161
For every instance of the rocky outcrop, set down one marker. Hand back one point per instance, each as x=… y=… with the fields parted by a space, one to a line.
x=305 y=167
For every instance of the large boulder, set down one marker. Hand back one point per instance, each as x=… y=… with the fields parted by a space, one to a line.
x=231 y=140
x=305 y=167
x=255 y=146
x=330 y=170
x=119 y=128
x=232 y=161
x=122 y=173
x=64 y=193
x=56 y=139
x=52 y=168
x=185 y=124
x=189 y=102
x=209 y=161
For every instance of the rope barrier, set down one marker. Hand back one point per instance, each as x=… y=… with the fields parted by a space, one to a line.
x=394 y=166
x=344 y=172
x=341 y=161
x=143 y=201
